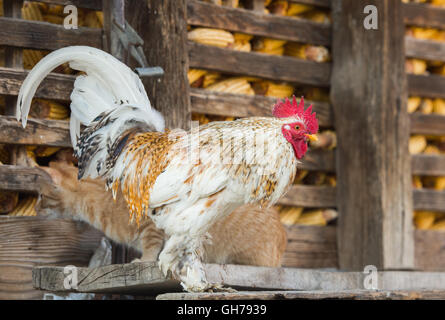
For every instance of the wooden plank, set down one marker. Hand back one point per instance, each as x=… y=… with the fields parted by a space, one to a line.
x=145 y=278
x=163 y=27
x=372 y=125
x=310 y=197
x=19 y=178
x=259 y=65
x=428 y=86
x=257 y=23
x=317 y=3
x=424 y=15
x=311 y=247
x=37 y=132
x=425 y=199
x=318 y=160
x=45 y=35
x=86 y=4
x=237 y=105
x=55 y=86
x=424 y=49
x=428 y=165
x=309 y=295
x=26 y=242
x=430 y=250
x=427 y=124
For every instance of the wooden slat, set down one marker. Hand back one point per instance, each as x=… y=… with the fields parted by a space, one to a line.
x=310 y=197
x=259 y=65
x=236 y=105
x=318 y=160
x=45 y=36
x=428 y=165
x=424 y=49
x=432 y=200
x=317 y=3
x=428 y=86
x=55 y=86
x=18 y=178
x=26 y=242
x=423 y=15
x=87 y=4
x=257 y=23
x=37 y=132
x=427 y=124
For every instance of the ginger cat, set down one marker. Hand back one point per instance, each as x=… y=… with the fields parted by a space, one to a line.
x=250 y=235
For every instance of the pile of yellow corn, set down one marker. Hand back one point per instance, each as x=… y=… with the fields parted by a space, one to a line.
x=440 y=3
x=429 y=220
x=25 y=207
x=300 y=216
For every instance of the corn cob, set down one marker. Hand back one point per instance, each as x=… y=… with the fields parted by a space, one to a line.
x=331 y=180
x=439 y=106
x=316 y=94
x=26 y=207
x=417 y=182
x=426 y=106
x=315 y=178
x=424 y=219
x=43 y=152
x=1 y=8
x=211 y=78
x=272 y=89
x=296 y=9
x=217 y=2
x=51 y=18
x=8 y=201
x=317 y=217
x=415 y=66
x=194 y=74
x=307 y=52
x=31 y=11
x=211 y=37
x=417 y=144
x=300 y=175
x=48 y=110
x=269 y=46
x=290 y=215
x=232 y=85
x=242 y=46
x=242 y=37
x=431 y=149
x=413 y=104
x=326 y=140
x=201 y=118
x=438 y=226
x=91 y=20
x=231 y=3
x=316 y=16
x=279 y=7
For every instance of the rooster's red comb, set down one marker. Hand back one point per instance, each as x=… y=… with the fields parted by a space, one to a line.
x=287 y=109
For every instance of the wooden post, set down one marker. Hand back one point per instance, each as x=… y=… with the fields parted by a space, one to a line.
x=373 y=165
x=256 y=5
x=162 y=25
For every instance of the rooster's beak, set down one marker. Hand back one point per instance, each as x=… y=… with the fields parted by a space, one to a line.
x=312 y=137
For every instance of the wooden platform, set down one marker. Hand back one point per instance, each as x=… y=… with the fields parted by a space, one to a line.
x=146 y=278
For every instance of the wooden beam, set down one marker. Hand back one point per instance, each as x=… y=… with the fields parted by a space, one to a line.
x=427 y=124
x=311 y=247
x=163 y=27
x=427 y=199
x=318 y=160
x=428 y=86
x=86 y=4
x=55 y=86
x=310 y=295
x=19 y=178
x=146 y=278
x=257 y=23
x=372 y=125
x=310 y=197
x=53 y=133
x=45 y=35
x=424 y=15
x=237 y=105
x=317 y=3
x=424 y=49
x=26 y=242
x=428 y=165
x=266 y=66
x=430 y=251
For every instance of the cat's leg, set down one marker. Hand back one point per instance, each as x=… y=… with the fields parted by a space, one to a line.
x=151 y=242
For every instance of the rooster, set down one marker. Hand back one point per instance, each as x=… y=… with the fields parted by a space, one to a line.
x=184 y=181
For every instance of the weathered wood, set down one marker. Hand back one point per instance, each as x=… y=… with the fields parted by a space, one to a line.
x=311 y=247
x=257 y=23
x=428 y=165
x=309 y=295
x=259 y=65
x=427 y=124
x=424 y=15
x=430 y=250
x=238 y=105
x=256 y=5
x=26 y=242
x=427 y=199
x=55 y=86
x=163 y=27
x=45 y=35
x=19 y=178
x=146 y=278
x=424 y=49
x=317 y=3
x=318 y=160
x=428 y=86
x=87 y=4
x=374 y=189
x=310 y=197
x=37 y=132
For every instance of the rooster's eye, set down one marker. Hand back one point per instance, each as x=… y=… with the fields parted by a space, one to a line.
x=297 y=127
